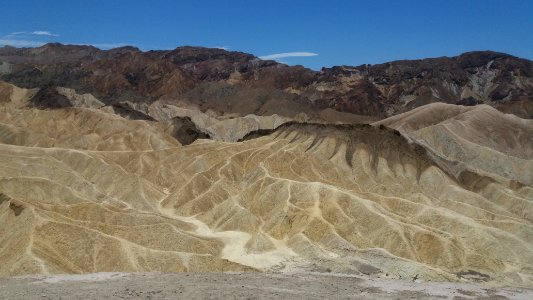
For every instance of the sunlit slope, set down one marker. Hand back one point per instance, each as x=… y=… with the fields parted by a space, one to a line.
x=82 y=190
x=479 y=138
x=79 y=128
x=332 y=189
x=346 y=198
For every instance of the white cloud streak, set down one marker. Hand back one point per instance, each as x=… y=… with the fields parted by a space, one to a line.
x=105 y=46
x=277 y=56
x=30 y=43
x=46 y=33
x=27 y=38
x=20 y=43
x=37 y=32
x=222 y=47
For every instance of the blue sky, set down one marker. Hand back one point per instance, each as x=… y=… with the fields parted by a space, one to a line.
x=315 y=33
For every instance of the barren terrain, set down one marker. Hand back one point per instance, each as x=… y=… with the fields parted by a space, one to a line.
x=243 y=286
x=302 y=202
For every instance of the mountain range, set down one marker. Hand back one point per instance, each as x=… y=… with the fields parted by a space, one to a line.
x=239 y=83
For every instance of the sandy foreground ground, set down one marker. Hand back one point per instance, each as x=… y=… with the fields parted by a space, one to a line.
x=241 y=286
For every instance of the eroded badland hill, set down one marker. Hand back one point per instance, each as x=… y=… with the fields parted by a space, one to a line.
x=205 y=160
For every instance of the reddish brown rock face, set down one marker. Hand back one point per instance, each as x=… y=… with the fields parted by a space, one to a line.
x=235 y=82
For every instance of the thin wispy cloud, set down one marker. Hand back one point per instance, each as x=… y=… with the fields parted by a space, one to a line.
x=37 y=32
x=222 y=47
x=105 y=46
x=278 y=56
x=16 y=39
x=27 y=38
x=20 y=43
x=47 y=33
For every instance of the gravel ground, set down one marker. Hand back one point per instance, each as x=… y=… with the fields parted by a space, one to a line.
x=241 y=286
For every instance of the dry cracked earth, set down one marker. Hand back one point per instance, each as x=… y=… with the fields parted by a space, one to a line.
x=441 y=193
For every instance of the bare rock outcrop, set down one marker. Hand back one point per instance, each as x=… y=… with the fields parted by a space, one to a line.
x=239 y=83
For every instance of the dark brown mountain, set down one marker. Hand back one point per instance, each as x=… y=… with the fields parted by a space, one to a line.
x=492 y=78
x=235 y=82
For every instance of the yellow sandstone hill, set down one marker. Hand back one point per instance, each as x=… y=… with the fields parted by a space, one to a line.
x=477 y=138
x=82 y=190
